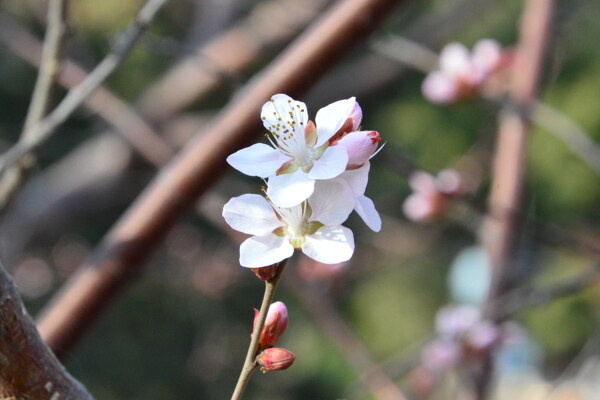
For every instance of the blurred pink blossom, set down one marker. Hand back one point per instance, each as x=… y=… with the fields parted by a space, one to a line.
x=462 y=73
x=431 y=195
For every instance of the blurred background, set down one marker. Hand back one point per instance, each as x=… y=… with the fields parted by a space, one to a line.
x=181 y=331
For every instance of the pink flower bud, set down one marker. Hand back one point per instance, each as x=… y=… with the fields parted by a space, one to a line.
x=360 y=147
x=275 y=358
x=275 y=324
x=356 y=116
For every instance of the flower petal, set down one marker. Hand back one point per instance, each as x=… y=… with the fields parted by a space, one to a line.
x=260 y=251
x=330 y=245
x=332 y=202
x=331 y=164
x=331 y=118
x=455 y=59
x=258 y=160
x=441 y=88
x=366 y=210
x=251 y=214
x=357 y=178
x=282 y=112
x=289 y=190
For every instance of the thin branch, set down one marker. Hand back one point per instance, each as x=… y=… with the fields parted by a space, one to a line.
x=117 y=113
x=28 y=369
x=569 y=132
x=42 y=131
x=56 y=30
x=125 y=248
x=250 y=361
x=520 y=299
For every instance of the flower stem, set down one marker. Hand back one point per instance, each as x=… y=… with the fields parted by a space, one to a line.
x=250 y=362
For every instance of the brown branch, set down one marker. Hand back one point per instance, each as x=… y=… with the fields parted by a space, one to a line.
x=56 y=30
x=28 y=369
x=225 y=56
x=131 y=241
x=500 y=231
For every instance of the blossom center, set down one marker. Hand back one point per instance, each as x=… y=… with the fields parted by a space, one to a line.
x=297 y=226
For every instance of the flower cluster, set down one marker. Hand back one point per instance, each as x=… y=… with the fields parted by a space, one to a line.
x=462 y=74
x=316 y=175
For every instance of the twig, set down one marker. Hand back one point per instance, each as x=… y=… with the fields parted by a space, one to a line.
x=568 y=131
x=250 y=362
x=133 y=238
x=42 y=131
x=29 y=370
x=116 y=112
x=56 y=30
x=519 y=299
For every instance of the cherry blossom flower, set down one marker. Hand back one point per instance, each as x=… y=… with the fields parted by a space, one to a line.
x=432 y=194
x=302 y=152
x=462 y=73
x=314 y=226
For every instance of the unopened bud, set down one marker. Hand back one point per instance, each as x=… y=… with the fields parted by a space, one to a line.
x=265 y=273
x=274 y=359
x=360 y=147
x=275 y=324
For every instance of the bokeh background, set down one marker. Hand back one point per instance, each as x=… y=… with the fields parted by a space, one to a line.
x=181 y=331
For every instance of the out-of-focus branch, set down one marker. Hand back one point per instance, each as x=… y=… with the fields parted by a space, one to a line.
x=43 y=130
x=118 y=114
x=569 y=132
x=501 y=230
x=227 y=55
x=519 y=299
x=131 y=241
x=40 y=101
x=28 y=369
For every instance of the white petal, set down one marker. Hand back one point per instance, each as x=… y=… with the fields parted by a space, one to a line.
x=281 y=111
x=440 y=87
x=332 y=163
x=331 y=118
x=366 y=209
x=455 y=59
x=261 y=251
x=357 y=179
x=251 y=214
x=288 y=190
x=330 y=245
x=258 y=160
x=332 y=202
